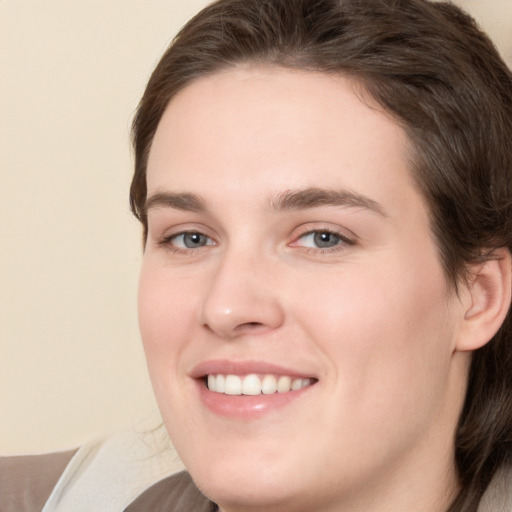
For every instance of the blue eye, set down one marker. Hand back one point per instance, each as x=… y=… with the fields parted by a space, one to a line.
x=322 y=240
x=190 y=240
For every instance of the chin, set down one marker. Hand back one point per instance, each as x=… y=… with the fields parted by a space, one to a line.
x=250 y=483
x=251 y=493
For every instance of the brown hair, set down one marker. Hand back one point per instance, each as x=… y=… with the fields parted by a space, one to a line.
x=429 y=65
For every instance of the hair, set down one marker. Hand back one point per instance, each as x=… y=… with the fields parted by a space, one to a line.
x=430 y=67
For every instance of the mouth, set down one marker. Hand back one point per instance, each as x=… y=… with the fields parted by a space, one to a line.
x=255 y=384
x=247 y=390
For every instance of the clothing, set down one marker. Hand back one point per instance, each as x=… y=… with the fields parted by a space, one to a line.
x=176 y=493
x=498 y=496
x=102 y=476
x=124 y=474
x=26 y=482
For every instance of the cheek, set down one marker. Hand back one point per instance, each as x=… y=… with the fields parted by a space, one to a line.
x=386 y=344
x=164 y=315
x=382 y=332
x=166 y=312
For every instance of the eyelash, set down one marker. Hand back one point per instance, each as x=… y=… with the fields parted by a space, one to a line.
x=341 y=244
x=167 y=242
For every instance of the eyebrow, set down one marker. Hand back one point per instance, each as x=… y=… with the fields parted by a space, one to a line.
x=289 y=200
x=312 y=197
x=178 y=200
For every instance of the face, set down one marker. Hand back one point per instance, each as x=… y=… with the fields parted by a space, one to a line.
x=289 y=249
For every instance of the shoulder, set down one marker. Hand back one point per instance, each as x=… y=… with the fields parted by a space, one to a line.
x=120 y=473
x=498 y=496
x=177 y=493
x=107 y=475
x=27 y=481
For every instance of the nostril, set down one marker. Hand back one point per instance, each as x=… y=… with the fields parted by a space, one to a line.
x=249 y=326
x=242 y=328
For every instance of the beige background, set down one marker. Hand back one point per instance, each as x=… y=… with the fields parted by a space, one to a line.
x=71 y=73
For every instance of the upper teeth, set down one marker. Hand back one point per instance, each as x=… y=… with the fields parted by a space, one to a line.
x=253 y=384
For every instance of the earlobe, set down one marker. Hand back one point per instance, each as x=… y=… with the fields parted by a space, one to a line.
x=488 y=294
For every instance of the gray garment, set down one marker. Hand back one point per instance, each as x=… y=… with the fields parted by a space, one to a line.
x=176 y=493
x=26 y=482
x=498 y=496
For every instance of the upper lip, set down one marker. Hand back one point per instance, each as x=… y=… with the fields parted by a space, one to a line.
x=228 y=367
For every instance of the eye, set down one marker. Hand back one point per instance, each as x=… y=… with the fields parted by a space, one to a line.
x=322 y=239
x=189 y=240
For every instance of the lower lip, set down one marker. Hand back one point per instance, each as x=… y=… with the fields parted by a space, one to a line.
x=246 y=407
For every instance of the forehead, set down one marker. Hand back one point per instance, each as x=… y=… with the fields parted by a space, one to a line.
x=281 y=128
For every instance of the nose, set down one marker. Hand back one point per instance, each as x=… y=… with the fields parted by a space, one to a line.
x=242 y=298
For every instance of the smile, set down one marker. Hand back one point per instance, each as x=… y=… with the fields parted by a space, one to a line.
x=253 y=384
x=248 y=390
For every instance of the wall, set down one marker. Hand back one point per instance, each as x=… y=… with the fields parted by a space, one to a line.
x=71 y=73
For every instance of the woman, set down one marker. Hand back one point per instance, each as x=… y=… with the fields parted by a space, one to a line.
x=325 y=194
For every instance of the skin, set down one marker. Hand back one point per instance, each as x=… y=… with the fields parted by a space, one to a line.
x=372 y=317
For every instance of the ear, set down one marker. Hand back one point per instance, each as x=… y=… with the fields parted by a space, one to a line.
x=486 y=301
